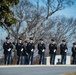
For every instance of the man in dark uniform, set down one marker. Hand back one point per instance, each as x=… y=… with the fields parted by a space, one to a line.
x=52 y=52
x=25 y=53
x=19 y=48
x=64 y=49
x=74 y=53
x=41 y=51
x=7 y=46
x=31 y=47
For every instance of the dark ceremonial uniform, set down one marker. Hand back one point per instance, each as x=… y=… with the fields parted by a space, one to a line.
x=31 y=47
x=41 y=51
x=7 y=46
x=19 y=48
x=64 y=49
x=52 y=52
x=74 y=53
x=26 y=54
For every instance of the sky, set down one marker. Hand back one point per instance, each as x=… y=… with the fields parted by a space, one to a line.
x=69 y=11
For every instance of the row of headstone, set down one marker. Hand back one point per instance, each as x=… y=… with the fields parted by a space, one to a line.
x=58 y=60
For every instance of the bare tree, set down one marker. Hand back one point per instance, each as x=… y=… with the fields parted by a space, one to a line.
x=53 y=6
x=35 y=16
x=33 y=20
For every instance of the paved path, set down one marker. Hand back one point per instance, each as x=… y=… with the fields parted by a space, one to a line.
x=36 y=69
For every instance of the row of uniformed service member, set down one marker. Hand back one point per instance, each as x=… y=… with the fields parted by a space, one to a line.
x=27 y=50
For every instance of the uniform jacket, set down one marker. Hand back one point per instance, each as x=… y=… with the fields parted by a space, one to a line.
x=63 y=48
x=6 y=46
x=73 y=51
x=25 y=51
x=19 y=46
x=40 y=48
x=30 y=46
x=52 y=47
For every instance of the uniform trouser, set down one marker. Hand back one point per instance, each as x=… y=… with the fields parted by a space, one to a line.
x=74 y=59
x=26 y=60
x=19 y=61
x=42 y=58
x=52 y=58
x=63 y=60
x=7 y=58
x=31 y=57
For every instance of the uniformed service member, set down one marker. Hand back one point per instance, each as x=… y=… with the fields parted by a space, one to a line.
x=25 y=53
x=41 y=51
x=74 y=53
x=64 y=49
x=31 y=47
x=7 y=46
x=52 y=51
x=19 y=48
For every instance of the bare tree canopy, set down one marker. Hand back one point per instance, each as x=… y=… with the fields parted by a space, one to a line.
x=34 y=15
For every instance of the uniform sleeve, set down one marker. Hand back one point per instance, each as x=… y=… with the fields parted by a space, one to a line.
x=61 y=48
x=33 y=46
x=55 y=46
x=72 y=49
x=11 y=46
x=44 y=46
x=49 y=48
x=3 y=45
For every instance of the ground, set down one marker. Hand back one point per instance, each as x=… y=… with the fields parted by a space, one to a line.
x=36 y=69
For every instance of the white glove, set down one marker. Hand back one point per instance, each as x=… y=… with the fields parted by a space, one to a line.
x=54 y=50
x=43 y=50
x=26 y=53
x=9 y=49
x=75 y=46
x=22 y=49
x=32 y=50
x=66 y=50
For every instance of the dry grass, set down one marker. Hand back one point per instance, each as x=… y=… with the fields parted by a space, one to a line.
x=72 y=73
